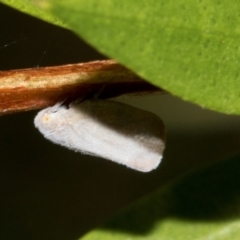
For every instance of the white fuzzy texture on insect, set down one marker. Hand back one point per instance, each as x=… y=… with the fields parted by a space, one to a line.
x=108 y=129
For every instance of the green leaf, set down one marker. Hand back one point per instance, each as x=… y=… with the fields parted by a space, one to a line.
x=28 y=6
x=189 y=47
x=202 y=205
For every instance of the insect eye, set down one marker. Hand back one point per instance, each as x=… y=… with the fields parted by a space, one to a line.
x=47 y=118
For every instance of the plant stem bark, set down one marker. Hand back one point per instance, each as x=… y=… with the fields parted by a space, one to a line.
x=28 y=89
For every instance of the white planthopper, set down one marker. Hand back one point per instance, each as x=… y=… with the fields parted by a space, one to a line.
x=108 y=129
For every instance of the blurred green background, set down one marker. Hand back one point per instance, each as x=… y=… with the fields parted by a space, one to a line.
x=49 y=192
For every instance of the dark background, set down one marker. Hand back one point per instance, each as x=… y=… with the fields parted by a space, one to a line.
x=49 y=192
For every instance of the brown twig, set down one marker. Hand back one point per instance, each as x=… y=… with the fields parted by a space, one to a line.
x=27 y=89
